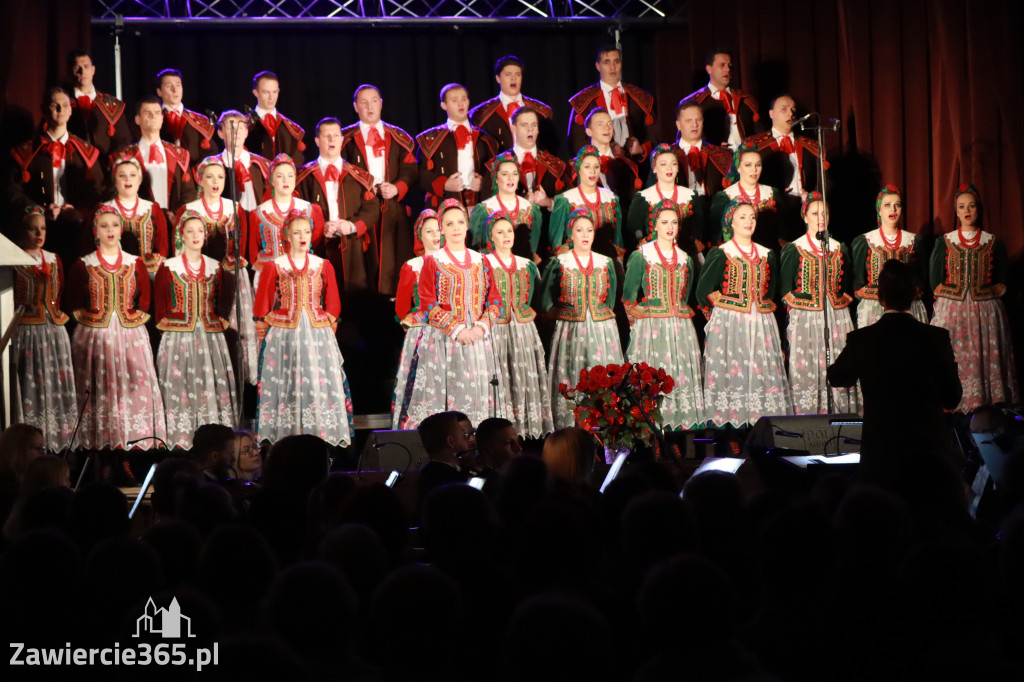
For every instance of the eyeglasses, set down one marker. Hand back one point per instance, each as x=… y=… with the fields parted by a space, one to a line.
x=248 y=450
x=469 y=434
x=41 y=449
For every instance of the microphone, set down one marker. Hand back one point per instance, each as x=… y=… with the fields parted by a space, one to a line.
x=250 y=113
x=833 y=124
x=799 y=123
x=212 y=115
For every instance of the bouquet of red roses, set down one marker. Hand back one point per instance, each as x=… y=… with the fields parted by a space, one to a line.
x=599 y=407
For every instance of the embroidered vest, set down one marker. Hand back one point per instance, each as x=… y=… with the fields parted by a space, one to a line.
x=664 y=289
x=807 y=293
x=878 y=254
x=515 y=289
x=141 y=225
x=969 y=271
x=36 y=290
x=111 y=292
x=582 y=293
x=744 y=284
x=298 y=292
x=192 y=299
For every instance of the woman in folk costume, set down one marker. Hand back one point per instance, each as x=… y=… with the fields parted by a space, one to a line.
x=744 y=186
x=525 y=217
x=665 y=165
x=302 y=386
x=142 y=219
x=41 y=350
x=656 y=291
x=581 y=286
x=605 y=212
x=407 y=312
x=968 y=276
x=109 y=292
x=744 y=373
x=459 y=304
x=221 y=233
x=805 y=291
x=193 y=362
x=870 y=251
x=514 y=336
x=266 y=221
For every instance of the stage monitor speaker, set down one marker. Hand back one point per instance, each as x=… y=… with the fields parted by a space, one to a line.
x=813 y=434
x=393 y=451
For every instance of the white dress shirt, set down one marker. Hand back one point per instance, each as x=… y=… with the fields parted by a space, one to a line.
x=333 y=211
x=376 y=165
x=796 y=186
x=734 y=129
x=619 y=120
x=158 y=173
x=466 y=163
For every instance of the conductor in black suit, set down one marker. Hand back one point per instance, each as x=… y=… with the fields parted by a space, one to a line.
x=908 y=376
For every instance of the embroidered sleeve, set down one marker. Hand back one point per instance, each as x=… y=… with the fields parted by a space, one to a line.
x=477 y=226
x=789 y=268
x=937 y=269
x=493 y=304
x=431 y=303
x=404 y=294
x=267 y=291
x=560 y=211
x=332 y=300
x=160 y=241
x=710 y=279
x=253 y=246
x=318 y=230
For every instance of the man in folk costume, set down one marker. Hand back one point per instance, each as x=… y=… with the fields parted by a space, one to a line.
x=542 y=175
x=453 y=156
x=270 y=132
x=730 y=115
x=59 y=172
x=251 y=170
x=168 y=181
x=702 y=166
x=494 y=116
x=790 y=163
x=630 y=108
x=184 y=127
x=387 y=153
x=345 y=194
x=96 y=117
x=619 y=173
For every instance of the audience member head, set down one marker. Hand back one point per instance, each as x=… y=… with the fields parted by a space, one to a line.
x=356 y=551
x=447 y=436
x=99 y=511
x=552 y=638
x=206 y=506
x=237 y=568
x=497 y=441
x=171 y=476
x=178 y=545
x=458 y=525
x=297 y=464
x=569 y=454
x=657 y=525
x=213 y=447
x=249 y=465
x=897 y=286
x=19 y=445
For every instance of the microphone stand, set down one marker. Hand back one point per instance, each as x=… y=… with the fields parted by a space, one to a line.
x=239 y=272
x=823 y=237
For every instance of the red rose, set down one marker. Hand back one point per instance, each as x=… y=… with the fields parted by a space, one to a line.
x=583 y=375
x=599 y=371
x=668 y=385
x=661 y=375
x=592 y=383
x=646 y=376
x=564 y=389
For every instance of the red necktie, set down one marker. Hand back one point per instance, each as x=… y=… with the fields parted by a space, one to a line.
x=175 y=124
x=618 y=102
x=85 y=103
x=529 y=164
x=57 y=151
x=786 y=145
x=332 y=174
x=694 y=165
x=510 y=109
x=376 y=141
x=726 y=100
x=271 y=122
x=463 y=138
x=155 y=155
x=241 y=175
x=605 y=162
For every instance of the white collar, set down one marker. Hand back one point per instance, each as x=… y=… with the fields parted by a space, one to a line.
x=608 y=88
x=364 y=128
x=778 y=135
x=452 y=125
x=715 y=91
x=243 y=157
x=261 y=112
x=506 y=100
x=179 y=108
x=324 y=163
x=685 y=146
x=62 y=139
x=83 y=93
x=520 y=152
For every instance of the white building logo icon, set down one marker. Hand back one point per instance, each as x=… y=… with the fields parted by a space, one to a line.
x=165 y=622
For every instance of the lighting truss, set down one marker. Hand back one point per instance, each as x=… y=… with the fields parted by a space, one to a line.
x=484 y=11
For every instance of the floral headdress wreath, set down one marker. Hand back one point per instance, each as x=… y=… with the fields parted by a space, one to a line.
x=179 y=240
x=489 y=225
x=584 y=152
x=202 y=166
x=505 y=157
x=968 y=188
x=730 y=212
x=293 y=215
x=811 y=198
x=662 y=148
x=652 y=217
x=33 y=210
x=734 y=170
x=887 y=190
x=576 y=214
x=417 y=230
x=281 y=159
x=127 y=157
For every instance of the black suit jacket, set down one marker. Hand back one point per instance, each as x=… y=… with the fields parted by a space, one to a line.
x=908 y=376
